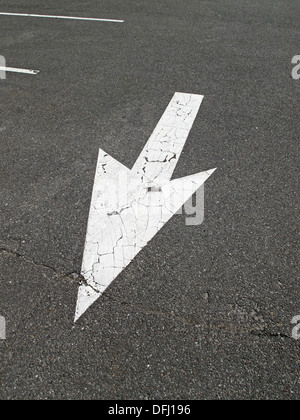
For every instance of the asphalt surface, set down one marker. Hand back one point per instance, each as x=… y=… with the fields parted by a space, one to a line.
x=204 y=312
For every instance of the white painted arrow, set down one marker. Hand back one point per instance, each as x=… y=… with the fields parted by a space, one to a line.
x=129 y=207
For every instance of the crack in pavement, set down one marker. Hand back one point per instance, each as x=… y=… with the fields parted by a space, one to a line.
x=41 y=265
x=206 y=327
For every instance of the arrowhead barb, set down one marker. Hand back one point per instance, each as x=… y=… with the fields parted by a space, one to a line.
x=86 y=297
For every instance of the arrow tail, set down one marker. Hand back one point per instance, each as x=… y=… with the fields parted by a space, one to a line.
x=160 y=156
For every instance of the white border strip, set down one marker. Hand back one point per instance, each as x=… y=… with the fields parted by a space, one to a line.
x=62 y=17
x=13 y=70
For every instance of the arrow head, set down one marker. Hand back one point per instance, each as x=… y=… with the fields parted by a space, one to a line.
x=114 y=238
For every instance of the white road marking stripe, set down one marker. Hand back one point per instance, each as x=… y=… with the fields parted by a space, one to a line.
x=62 y=17
x=128 y=208
x=14 y=70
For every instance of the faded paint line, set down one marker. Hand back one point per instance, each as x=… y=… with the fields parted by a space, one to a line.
x=62 y=17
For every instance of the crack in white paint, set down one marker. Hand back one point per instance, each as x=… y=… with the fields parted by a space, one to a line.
x=128 y=208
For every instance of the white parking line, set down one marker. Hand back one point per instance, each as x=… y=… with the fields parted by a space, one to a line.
x=62 y=17
x=14 y=70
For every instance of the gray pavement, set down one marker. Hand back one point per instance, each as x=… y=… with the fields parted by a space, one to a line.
x=204 y=312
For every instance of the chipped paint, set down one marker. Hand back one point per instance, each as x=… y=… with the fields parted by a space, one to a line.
x=129 y=207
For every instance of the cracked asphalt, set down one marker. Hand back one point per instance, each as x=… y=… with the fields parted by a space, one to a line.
x=203 y=312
